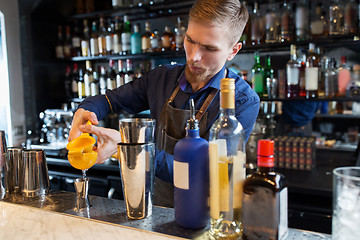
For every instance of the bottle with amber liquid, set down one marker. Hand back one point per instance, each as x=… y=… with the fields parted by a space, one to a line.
x=168 y=40
x=257 y=26
x=265 y=198
x=146 y=38
x=287 y=23
x=102 y=37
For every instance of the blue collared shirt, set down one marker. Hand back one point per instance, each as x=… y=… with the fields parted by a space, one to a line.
x=155 y=88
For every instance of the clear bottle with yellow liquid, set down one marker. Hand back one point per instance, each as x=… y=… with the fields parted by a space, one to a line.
x=227 y=167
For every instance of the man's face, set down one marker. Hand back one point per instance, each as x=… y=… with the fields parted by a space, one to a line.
x=207 y=48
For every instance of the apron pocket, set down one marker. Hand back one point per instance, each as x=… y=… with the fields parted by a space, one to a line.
x=169 y=143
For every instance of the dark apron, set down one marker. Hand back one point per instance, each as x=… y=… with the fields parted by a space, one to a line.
x=170 y=129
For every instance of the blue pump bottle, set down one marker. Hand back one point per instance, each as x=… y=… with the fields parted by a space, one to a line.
x=191 y=177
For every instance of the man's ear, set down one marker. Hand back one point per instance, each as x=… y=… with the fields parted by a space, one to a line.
x=235 y=49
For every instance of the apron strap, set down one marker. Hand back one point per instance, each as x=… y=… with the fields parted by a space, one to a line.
x=173 y=95
x=206 y=104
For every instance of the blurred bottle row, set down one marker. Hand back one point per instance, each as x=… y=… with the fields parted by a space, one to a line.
x=115 y=37
x=89 y=81
x=88 y=6
x=300 y=20
x=309 y=74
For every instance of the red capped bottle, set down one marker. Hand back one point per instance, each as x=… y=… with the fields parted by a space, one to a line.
x=265 y=197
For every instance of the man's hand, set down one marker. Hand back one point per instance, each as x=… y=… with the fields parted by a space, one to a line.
x=106 y=142
x=81 y=116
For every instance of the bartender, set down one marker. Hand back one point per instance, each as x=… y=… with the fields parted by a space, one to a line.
x=211 y=39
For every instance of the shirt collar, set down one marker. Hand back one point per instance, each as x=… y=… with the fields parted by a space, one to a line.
x=214 y=82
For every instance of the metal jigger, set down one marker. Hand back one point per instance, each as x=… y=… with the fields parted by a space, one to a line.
x=82 y=188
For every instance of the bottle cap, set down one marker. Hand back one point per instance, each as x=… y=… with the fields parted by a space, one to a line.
x=265 y=152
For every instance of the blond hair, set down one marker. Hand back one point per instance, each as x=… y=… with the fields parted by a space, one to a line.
x=227 y=13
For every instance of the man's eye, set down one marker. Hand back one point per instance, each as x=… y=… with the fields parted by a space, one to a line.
x=210 y=49
x=189 y=40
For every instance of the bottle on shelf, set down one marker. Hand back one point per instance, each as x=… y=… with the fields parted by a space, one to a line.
x=245 y=37
x=302 y=67
x=353 y=88
x=85 y=41
x=331 y=86
x=293 y=74
x=179 y=35
x=146 y=38
x=117 y=46
x=272 y=24
x=94 y=85
x=191 y=176
x=336 y=18
x=257 y=77
x=126 y=36
x=168 y=39
x=302 y=20
x=120 y=75
x=351 y=17
x=59 y=48
x=135 y=40
x=74 y=82
x=88 y=78
x=344 y=76
x=81 y=85
x=265 y=198
x=318 y=23
x=109 y=37
x=321 y=84
x=118 y=4
x=268 y=75
x=257 y=26
x=227 y=167
x=102 y=38
x=76 y=42
x=312 y=73
x=287 y=23
x=94 y=44
x=102 y=80
x=67 y=43
x=111 y=77
x=129 y=74
x=67 y=83
x=156 y=44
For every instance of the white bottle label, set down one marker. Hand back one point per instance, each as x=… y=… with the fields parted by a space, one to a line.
x=181 y=175
x=94 y=89
x=94 y=47
x=145 y=43
x=125 y=41
x=109 y=42
x=59 y=52
x=116 y=44
x=311 y=78
x=87 y=82
x=293 y=75
x=76 y=42
x=283 y=224
x=154 y=43
x=84 y=48
x=128 y=78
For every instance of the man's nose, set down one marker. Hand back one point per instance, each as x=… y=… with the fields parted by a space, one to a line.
x=195 y=53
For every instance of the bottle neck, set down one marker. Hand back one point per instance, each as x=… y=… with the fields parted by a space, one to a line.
x=227 y=111
x=265 y=169
x=192 y=133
